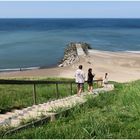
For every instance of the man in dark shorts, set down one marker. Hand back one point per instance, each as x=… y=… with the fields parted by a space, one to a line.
x=79 y=79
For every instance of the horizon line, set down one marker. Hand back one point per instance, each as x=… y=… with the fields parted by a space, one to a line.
x=69 y=17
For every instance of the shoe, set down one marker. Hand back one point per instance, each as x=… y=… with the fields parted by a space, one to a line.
x=95 y=93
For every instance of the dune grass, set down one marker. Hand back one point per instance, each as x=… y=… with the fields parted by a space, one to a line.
x=115 y=114
x=19 y=96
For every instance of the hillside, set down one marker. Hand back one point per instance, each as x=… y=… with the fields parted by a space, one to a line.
x=112 y=115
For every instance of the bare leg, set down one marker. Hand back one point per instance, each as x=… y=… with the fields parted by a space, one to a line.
x=91 y=88
x=80 y=91
x=78 y=88
x=88 y=88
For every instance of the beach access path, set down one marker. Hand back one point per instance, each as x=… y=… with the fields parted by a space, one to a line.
x=49 y=109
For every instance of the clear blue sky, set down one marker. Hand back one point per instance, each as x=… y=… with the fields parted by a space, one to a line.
x=69 y=9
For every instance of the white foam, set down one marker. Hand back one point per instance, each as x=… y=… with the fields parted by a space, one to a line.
x=133 y=51
x=18 y=69
x=97 y=51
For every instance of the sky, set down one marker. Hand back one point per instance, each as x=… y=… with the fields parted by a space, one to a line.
x=69 y=9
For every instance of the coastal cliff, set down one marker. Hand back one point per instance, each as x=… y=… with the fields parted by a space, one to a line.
x=72 y=52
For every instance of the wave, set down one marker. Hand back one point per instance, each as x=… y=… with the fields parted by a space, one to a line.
x=133 y=51
x=18 y=69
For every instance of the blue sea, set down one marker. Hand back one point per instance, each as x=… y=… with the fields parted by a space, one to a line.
x=35 y=43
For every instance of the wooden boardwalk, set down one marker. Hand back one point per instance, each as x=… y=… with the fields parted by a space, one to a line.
x=18 y=117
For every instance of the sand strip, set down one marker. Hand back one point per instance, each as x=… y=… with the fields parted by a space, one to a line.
x=121 y=66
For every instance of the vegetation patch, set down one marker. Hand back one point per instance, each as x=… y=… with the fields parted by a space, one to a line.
x=108 y=116
x=20 y=96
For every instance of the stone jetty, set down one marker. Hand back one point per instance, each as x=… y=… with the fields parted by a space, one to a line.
x=73 y=51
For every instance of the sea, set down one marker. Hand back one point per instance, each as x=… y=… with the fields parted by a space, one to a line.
x=40 y=43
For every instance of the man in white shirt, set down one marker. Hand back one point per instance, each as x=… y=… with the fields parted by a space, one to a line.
x=79 y=79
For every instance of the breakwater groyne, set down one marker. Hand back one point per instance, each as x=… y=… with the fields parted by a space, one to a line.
x=73 y=51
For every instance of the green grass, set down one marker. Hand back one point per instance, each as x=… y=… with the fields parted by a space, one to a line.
x=115 y=114
x=19 y=96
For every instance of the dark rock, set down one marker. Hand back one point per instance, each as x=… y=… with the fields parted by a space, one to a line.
x=70 y=53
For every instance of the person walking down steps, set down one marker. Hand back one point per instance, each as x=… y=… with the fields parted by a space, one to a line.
x=79 y=79
x=90 y=80
x=105 y=81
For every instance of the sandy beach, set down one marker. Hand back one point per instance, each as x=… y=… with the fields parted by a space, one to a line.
x=121 y=66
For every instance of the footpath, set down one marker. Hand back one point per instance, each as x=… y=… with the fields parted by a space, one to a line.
x=80 y=51
x=17 y=118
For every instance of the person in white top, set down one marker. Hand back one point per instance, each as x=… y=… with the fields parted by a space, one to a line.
x=105 y=81
x=79 y=79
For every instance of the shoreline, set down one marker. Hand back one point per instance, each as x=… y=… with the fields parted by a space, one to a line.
x=26 y=68
x=57 y=65
x=121 y=66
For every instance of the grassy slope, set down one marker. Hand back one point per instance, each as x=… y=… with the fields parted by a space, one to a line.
x=112 y=115
x=19 y=96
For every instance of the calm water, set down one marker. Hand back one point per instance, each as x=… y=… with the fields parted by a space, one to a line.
x=40 y=42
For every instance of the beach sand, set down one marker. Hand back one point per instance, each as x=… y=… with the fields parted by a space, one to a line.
x=121 y=67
